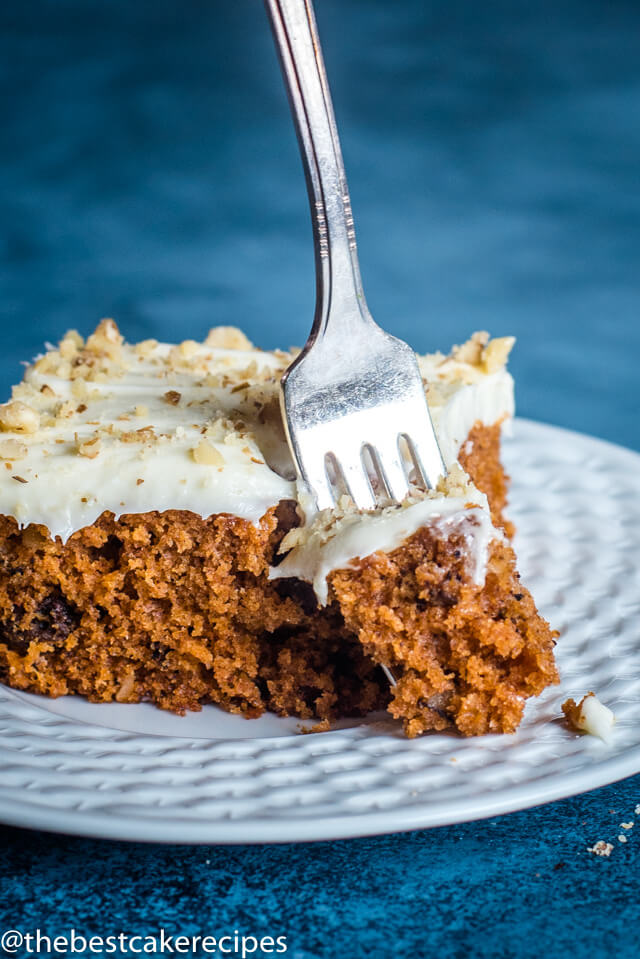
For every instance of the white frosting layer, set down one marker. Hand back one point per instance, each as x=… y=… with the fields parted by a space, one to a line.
x=488 y=401
x=108 y=426
x=154 y=434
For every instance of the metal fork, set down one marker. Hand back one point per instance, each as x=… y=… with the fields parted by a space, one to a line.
x=354 y=392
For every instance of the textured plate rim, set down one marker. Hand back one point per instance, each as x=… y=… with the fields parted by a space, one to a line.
x=516 y=799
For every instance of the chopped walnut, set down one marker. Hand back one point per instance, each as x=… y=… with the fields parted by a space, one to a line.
x=479 y=352
x=227 y=338
x=64 y=410
x=19 y=417
x=455 y=483
x=13 y=450
x=179 y=356
x=89 y=448
x=105 y=332
x=207 y=455
x=107 y=342
x=471 y=351
x=79 y=389
x=72 y=336
x=496 y=352
x=70 y=345
x=143 y=435
x=172 y=397
x=146 y=348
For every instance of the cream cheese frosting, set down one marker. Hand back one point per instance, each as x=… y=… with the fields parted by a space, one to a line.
x=104 y=425
x=336 y=539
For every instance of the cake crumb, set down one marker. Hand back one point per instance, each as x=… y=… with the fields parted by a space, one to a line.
x=601 y=848
x=622 y=838
x=590 y=716
x=626 y=825
x=324 y=726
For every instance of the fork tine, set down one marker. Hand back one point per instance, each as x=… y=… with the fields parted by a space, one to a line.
x=355 y=476
x=391 y=469
x=426 y=455
x=314 y=473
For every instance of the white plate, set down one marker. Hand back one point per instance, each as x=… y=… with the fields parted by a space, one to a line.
x=134 y=772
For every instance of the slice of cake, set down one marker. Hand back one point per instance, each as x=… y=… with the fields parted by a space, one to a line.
x=155 y=546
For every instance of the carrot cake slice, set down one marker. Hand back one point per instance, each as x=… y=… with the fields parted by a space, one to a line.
x=154 y=545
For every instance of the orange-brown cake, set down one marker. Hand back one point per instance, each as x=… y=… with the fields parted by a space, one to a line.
x=156 y=546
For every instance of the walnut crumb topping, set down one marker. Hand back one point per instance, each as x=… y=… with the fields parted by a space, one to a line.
x=18 y=417
x=172 y=397
x=478 y=356
x=207 y=455
x=496 y=352
x=13 y=450
x=146 y=348
x=228 y=338
x=89 y=448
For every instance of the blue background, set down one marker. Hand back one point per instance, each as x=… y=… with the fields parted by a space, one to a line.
x=149 y=171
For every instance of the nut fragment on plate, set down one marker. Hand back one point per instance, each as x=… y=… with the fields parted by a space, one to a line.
x=590 y=716
x=601 y=848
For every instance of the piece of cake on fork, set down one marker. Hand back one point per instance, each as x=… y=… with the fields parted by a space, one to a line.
x=155 y=546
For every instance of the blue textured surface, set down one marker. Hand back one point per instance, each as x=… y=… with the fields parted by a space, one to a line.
x=149 y=171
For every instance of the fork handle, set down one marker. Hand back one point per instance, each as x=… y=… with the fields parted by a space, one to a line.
x=340 y=303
